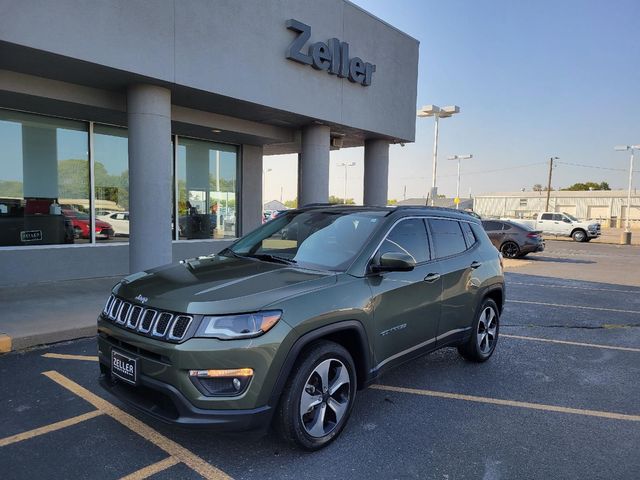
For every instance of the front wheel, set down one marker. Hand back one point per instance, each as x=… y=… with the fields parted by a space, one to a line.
x=319 y=396
x=579 y=236
x=484 y=336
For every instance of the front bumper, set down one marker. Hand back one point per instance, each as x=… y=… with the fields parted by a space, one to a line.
x=164 y=402
x=165 y=390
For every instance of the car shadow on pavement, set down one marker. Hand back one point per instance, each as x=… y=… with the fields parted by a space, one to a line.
x=558 y=260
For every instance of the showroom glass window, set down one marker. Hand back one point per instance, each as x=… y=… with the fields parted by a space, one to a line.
x=111 y=170
x=44 y=180
x=206 y=185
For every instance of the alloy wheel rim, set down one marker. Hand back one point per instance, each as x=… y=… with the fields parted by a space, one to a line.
x=325 y=398
x=487 y=330
x=510 y=250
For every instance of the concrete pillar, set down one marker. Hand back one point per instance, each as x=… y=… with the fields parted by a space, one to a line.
x=251 y=189
x=40 y=163
x=313 y=165
x=376 y=172
x=150 y=176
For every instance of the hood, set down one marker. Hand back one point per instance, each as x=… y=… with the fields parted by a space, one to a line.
x=220 y=285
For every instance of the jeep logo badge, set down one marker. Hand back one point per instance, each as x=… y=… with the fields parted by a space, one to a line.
x=332 y=56
x=141 y=299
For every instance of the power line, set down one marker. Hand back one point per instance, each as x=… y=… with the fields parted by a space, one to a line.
x=592 y=166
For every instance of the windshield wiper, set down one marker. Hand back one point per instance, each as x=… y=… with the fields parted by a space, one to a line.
x=272 y=258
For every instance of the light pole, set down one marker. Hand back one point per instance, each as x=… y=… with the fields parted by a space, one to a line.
x=437 y=113
x=626 y=235
x=264 y=181
x=346 y=166
x=458 y=158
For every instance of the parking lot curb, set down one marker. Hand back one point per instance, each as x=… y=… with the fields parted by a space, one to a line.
x=22 y=343
x=5 y=343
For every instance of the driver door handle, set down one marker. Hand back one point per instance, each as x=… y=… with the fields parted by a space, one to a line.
x=475 y=265
x=432 y=277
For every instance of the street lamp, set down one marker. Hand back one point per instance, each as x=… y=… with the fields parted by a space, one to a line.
x=458 y=158
x=264 y=181
x=346 y=166
x=437 y=113
x=626 y=235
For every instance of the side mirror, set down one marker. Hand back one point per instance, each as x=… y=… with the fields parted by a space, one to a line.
x=394 y=262
x=566 y=220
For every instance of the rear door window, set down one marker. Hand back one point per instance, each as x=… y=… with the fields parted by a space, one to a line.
x=410 y=237
x=546 y=216
x=491 y=226
x=447 y=237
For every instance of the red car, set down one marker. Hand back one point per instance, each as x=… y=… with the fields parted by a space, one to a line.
x=82 y=225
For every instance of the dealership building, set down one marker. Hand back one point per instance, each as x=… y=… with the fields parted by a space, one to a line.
x=132 y=133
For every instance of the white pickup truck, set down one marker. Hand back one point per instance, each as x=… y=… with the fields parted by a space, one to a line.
x=562 y=225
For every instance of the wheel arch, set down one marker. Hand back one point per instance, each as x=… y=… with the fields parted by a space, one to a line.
x=495 y=293
x=348 y=333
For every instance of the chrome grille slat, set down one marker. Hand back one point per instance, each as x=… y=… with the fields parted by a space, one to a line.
x=134 y=317
x=123 y=314
x=162 y=324
x=115 y=309
x=148 y=319
x=181 y=324
x=107 y=305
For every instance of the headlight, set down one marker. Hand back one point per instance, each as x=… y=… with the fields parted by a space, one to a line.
x=230 y=327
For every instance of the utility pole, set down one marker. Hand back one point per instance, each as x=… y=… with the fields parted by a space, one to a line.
x=546 y=209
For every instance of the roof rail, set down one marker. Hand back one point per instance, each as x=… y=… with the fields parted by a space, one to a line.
x=320 y=204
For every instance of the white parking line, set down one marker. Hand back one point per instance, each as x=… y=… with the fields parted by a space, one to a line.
x=567 y=342
x=601 y=309
x=572 y=287
x=510 y=403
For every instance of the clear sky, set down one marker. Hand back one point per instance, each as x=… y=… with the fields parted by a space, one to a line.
x=533 y=79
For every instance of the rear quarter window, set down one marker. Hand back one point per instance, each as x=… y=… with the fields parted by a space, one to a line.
x=447 y=237
x=469 y=236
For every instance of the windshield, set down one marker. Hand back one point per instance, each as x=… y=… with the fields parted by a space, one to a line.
x=570 y=216
x=315 y=239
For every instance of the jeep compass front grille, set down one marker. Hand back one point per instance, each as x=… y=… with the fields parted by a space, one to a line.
x=147 y=321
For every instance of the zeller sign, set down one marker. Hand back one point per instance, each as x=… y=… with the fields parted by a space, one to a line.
x=332 y=56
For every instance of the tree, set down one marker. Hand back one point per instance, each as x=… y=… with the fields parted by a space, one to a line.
x=291 y=203
x=335 y=200
x=392 y=201
x=538 y=187
x=577 y=187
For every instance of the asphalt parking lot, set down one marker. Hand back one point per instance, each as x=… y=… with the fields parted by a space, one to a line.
x=559 y=399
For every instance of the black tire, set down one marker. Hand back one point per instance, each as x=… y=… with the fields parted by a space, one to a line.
x=472 y=350
x=510 y=250
x=290 y=422
x=579 y=236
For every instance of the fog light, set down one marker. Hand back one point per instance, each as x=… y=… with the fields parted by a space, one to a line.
x=233 y=372
x=221 y=382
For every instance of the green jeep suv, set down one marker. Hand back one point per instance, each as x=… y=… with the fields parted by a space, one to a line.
x=285 y=325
